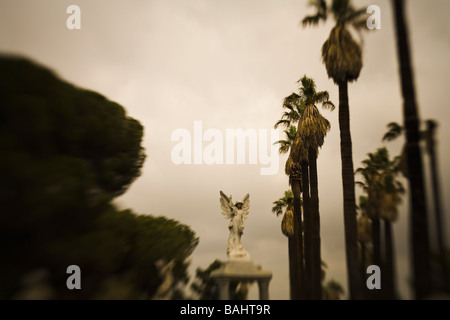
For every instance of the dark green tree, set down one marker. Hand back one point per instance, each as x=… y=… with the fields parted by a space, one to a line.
x=66 y=153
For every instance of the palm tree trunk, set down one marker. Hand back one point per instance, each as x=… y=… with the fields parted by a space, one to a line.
x=291 y=252
x=308 y=230
x=437 y=203
x=299 y=274
x=421 y=263
x=376 y=239
x=316 y=277
x=348 y=184
x=389 y=270
x=363 y=259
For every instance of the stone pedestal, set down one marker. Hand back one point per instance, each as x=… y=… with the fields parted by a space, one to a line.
x=241 y=270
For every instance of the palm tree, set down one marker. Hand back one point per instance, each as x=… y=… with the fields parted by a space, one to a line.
x=384 y=191
x=342 y=57
x=293 y=170
x=312 y=128
x=285 y=206
x=419 y=218
x=394 y=131
x=372 y=185
x=309 y=137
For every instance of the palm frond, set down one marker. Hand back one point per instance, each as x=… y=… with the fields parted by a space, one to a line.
x=313 y=128
x=312 y=20
x=284 y=146
x=361 y=184
x=328 y=105
x=307 y=90
x=354 y=15
x=342 y=55
x=360 y=24
x=287 y=224
x=287 y=168
x=278 y=207
x=291 y=100
x=323 y=97
x=282 y=122
x=320 y=7
x=394 y=131
x=298 y=150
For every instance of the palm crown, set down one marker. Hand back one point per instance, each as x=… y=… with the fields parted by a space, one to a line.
x=341 y=54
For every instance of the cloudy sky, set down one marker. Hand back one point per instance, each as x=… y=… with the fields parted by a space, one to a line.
x=229 y=64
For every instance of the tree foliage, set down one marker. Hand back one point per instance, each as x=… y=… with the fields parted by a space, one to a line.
x=67 y=152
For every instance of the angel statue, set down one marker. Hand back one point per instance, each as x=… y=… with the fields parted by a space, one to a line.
x=237 y=213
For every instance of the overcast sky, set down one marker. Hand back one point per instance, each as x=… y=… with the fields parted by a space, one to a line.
x=229 y=64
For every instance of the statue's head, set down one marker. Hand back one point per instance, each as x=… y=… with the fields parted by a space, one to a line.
x=239 y=205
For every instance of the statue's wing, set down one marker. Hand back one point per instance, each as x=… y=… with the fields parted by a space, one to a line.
x=246 y=205
x=226 y=205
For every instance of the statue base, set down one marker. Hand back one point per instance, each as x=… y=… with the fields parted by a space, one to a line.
x=241 y=270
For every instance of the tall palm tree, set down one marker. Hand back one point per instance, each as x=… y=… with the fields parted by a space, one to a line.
x=312 y=128
x=300 y=108
x=290 y=117
x=421 y=261
x=384 y=190
x=394 y=131
x=285 y=206
x=342 y=57
x=371 y=185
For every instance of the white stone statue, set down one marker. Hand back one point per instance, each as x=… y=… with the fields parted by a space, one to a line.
x=237 y=213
